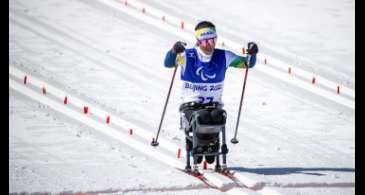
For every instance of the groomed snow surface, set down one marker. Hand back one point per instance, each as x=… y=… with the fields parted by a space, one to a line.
x=110 y=56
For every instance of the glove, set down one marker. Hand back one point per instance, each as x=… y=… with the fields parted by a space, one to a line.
x=179 y=47
x=252 y=48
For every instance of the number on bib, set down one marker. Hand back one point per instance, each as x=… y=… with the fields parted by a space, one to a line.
x=203 y=100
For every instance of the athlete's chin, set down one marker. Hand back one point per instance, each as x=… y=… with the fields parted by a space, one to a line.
x=207 y=50
x=210 y=50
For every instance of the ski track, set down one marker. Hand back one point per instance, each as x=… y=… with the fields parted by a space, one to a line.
x=117 y=72
x=137 y=79
x=269 y=70
x=112 y=132
x=314 y=147
x=278 y=64
x=92 y=59
x=232 y=28
x=96 y=55
x=141 y=80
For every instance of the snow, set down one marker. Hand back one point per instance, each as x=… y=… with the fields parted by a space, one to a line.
x=316 y=35
x=47 y=155
x=288 y=136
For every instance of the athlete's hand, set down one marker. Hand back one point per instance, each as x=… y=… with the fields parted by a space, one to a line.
x=179 y=47
x=252 y=48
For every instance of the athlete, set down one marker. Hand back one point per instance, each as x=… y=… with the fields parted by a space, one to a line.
x=203 y=69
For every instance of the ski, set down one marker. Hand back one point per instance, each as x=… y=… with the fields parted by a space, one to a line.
x=201 y=177
x=230 y=175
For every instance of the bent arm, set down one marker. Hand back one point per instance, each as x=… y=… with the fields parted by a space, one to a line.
x=236 y=61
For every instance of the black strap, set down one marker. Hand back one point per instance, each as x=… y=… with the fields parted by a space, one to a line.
x=195 y=105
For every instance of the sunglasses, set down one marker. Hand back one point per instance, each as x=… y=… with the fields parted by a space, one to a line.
x=210 y=41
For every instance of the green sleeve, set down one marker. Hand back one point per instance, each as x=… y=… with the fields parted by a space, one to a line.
x=238 y=62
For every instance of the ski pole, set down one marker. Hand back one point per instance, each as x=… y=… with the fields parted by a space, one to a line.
x=234 y=139
x=154 y=141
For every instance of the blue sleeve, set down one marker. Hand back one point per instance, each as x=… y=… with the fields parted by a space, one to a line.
x=170 y=59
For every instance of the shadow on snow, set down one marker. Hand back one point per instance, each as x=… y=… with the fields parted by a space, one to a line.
x=291 y=170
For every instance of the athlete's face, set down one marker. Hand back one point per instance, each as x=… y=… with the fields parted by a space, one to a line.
x=207 y=45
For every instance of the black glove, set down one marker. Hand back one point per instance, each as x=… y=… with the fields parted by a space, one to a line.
x=252 y=48
x=179 y=47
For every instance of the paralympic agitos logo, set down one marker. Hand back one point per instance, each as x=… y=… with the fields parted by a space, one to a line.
x=204 y=76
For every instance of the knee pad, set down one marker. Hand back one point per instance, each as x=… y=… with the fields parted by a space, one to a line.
x=218 y=116
x=203 y=116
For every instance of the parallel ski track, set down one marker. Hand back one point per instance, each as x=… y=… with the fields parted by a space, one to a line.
x=153 y=17
x=54 y=99
x=76 y=42
x=72 y=42
x=61 y=36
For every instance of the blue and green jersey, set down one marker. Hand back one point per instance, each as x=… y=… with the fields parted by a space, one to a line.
x=203 y=76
